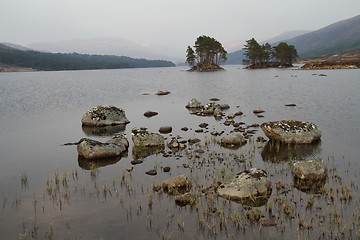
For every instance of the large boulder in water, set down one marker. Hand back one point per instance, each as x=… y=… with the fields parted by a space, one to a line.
x=309 y=176
x=250 y=187
x=104 y=116
x=91 y=149
x=292 y=131
x=311 y=170
x=120 y=139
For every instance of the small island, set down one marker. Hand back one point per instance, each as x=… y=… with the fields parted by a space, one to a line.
x=266 y=56
x=208 y=55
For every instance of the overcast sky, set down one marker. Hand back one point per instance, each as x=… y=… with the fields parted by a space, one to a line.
x=171 y=23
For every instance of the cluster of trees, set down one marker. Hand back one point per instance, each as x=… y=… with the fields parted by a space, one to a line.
x=73 y=61
x=258 y=56
x=208 y=52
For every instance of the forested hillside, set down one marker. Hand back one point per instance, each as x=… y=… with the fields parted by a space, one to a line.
x=74 y=61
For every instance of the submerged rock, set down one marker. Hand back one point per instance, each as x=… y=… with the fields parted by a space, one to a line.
x=104 y=116
x=233 y=141
x=250 y=187
x=91 y=149
x=185 y=199
x=177 y=185
x=141 y=152
x=291 y=131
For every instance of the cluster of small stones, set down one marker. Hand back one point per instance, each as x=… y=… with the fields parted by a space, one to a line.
x=210 y=109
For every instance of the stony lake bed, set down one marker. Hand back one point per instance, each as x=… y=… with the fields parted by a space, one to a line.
x=48 y=191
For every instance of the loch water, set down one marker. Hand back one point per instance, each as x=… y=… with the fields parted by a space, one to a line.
x=41 y=111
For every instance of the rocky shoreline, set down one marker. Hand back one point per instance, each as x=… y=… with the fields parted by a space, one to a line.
x=331 y=65
x=7 y=68
x=206 y=68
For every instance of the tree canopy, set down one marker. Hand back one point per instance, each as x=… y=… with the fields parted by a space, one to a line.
x=74 y=61
x=208 y=53
x=260 y=56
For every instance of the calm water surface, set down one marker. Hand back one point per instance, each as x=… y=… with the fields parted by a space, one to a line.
x=40 y=111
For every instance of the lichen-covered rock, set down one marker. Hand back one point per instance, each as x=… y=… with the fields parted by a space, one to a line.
x=120 y=139
x=233 y=141
x=194 y=103
x=292 y=131
x=91 y=149
x=144 y=138
x=250 y=187
x=104 y=116
x=177 y=185
x=310 y=170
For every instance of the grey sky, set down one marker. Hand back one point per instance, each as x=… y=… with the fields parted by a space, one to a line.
x=171 y=23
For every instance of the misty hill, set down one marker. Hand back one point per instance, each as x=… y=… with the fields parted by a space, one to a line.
x=106 y=46
x=286 y=35
x=336 y=38
x=339 y=37
x=72 y=61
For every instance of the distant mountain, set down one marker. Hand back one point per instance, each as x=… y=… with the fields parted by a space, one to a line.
x=336 y=38
x=14 y=46
x=339 y=37
x=105 y=46
x=286 y=35
x=71 y=61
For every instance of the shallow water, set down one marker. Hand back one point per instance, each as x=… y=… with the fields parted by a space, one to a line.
x=40 y=111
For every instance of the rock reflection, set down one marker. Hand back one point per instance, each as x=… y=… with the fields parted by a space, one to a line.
x=280 y=152
x=309 y=186
x=96 y=163
x=140 y=152
x=103 y=131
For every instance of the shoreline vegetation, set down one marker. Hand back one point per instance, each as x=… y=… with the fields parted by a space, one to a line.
x=266 y=56
x=12 y=59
